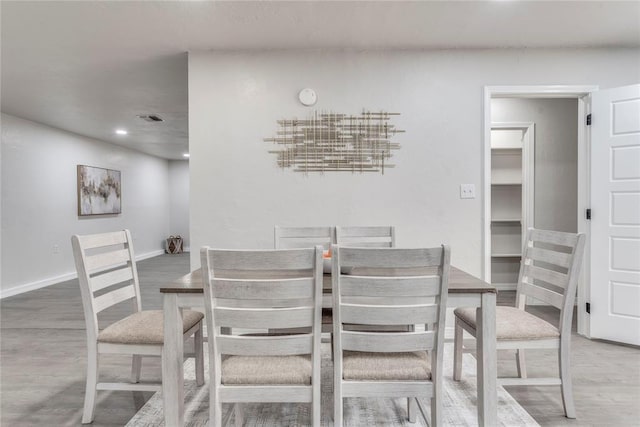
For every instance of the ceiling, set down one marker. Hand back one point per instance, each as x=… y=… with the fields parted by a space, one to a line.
x=92 y=67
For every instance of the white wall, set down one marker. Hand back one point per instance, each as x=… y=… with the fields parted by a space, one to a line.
x=39 y=201
x=179 y=200
x=556 y=156
x=238 y=194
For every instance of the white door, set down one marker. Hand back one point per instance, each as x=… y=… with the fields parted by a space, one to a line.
x=615 y=220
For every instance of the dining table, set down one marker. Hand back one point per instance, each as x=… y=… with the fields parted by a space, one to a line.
x=465 y=290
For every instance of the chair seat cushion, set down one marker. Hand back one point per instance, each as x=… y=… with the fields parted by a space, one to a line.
x=365 y=366
x=512 y=324
x=238 y=370
x=144 y=327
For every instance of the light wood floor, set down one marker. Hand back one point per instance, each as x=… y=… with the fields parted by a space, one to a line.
x=43 y=360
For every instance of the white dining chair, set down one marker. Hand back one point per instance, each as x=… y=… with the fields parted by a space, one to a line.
x=303 y=237
x=108 y=275
x=551 y=262
x=279 y=290
x=380 y=290
x=366 y=236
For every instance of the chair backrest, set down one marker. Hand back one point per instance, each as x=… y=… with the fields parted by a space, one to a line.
x=373 y=237
x=106 y=266
x=303 y=237
x=551 y=263
x=390 y=287
x=262 y=289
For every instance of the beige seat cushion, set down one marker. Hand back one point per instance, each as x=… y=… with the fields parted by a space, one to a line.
x=144 y=327
x=512 y=324
x=365 y=366
x=266 y=370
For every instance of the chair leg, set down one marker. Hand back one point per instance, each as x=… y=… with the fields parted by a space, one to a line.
x=565 y=378
x=136 y=367
x=215 y=407
x=92 y=381
x=457 y=351
x=412 y=409
x=239 y=415
x=520 y=364
x=337 y=409
x=198 y=348
x=436 y=412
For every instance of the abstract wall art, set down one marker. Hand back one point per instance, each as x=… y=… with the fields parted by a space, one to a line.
x=332 y=142
x=99 y=191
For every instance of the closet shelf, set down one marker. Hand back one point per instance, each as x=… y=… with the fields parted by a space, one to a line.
x=518 y=255
x=507 y=183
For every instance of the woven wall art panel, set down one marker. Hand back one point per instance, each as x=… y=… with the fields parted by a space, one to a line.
x=331 y=142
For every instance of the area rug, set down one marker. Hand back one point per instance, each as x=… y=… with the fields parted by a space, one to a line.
x=459 y=404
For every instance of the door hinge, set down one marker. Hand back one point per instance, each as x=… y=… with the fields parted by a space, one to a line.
x=589 y=119
x=588 y=214
x=588 y=308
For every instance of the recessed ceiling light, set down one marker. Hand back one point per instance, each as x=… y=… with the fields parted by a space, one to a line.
x=121 y=132
x=186 y=155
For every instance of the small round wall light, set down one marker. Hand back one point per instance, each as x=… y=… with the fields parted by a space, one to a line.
x=308 y=97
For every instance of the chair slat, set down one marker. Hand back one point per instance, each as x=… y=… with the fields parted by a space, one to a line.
x=261 y=318
x=267 y=394
x=265 y=345
x=389 y=286
x=263 y=289
x=366 y=244
x=387 y=341
x=550 y=257
x=366 y=237
x=105 y=260
x=287 y=259
x=105 y=239
x=111 y=278
x=542 y=294
x=390 y=300
x=554 y=237
x=114 y=297
x=388 y=315
x=390 y=258
x=305 y=243
x=549 y=276
x=373 y=231
x=423 y=389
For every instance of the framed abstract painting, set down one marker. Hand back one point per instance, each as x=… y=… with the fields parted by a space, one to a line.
x=99 y=191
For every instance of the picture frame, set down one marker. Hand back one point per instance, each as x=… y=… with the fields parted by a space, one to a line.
x=99 y=191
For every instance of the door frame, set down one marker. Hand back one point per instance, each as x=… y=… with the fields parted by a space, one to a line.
x=582 y=94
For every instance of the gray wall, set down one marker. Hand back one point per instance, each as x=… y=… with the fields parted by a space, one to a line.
x=39 y=201
x=556 y=156
x=235 y=98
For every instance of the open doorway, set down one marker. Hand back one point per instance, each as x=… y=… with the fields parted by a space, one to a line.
x=554 y=192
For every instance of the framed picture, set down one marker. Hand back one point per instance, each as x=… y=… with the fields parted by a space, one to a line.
x=99 y=191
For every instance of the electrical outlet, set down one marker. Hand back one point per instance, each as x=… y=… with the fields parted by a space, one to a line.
x=467 y=191
x=56 y=249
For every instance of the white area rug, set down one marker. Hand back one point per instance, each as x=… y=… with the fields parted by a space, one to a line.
x=459 y=404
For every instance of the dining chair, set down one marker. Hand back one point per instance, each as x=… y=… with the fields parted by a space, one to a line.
x=279 y=290
x=388 y=286
x=551 y=262
x=303 y=237
x=108 y=275
x=373 y=236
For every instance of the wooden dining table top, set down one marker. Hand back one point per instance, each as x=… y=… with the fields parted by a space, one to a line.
x=459 y=281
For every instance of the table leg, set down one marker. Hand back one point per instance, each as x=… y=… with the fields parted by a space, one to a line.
x=487 y=361
x=172 y=363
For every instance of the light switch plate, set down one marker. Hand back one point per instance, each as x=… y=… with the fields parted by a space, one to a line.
x=467 y=191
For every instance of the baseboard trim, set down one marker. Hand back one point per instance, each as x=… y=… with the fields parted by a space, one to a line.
x=32 y=286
